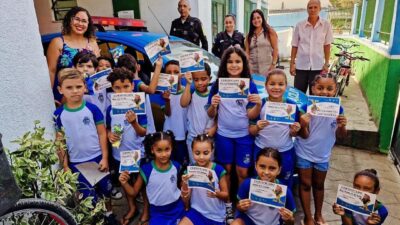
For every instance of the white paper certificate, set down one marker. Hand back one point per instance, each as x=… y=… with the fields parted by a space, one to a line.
x=201 y=178
x=233 y=87
x=123 y=102
x=355 y=200
x=267 y=193
x=129 y=161
x=323 y=106
x=278 y=112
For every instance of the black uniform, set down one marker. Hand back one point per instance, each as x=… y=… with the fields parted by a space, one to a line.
x=191 y=30
x=223 y=41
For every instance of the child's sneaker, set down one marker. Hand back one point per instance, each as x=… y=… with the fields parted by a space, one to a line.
x=111 y=219
x=116 y=194
x=229 y=213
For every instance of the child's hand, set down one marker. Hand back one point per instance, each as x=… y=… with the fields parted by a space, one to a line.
x=188 y=77
x=159 y=62
x=244 y=204
x=124 y=177
x=295 y=127
x=165 y=95
x=212 y=194
x=112 y=137
x=215 y=100
x=186 y=177
x=373 y=219
x=103 y=165
x=337 y=209
x=286 y=214
x=261 y=124
x=341 y=121
x=254 y=98
x=131 y=117
x=305 y=119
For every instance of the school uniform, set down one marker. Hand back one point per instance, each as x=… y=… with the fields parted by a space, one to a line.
x=359 y=219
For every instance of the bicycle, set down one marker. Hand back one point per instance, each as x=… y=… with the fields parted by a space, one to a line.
x=342 y=65
x=30 y=211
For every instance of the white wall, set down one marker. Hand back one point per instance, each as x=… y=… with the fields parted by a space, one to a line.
x=293 y=4
x=97 y=7
x=165 y=13
x=25 y=86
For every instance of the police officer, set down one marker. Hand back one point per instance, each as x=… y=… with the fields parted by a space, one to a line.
x=187 y=27
x=227 y=38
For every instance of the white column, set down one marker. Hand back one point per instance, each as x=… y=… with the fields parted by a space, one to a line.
x=354 y=19
x=376 y=24
x=240 y=15
x=26 y=95
x=204 y=12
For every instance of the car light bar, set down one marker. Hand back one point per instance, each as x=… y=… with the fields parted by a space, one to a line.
x=114 y=21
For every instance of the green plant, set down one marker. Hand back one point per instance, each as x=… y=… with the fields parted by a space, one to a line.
x=34 y=167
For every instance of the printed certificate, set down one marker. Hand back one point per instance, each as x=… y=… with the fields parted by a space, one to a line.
x=233 y=87
x=157 y=48
x=117 y=52
x=278 y=112
x=191 y=62
x=91 y=172
x=267 y=193
x=129 y=161
x=323 y=106
x=356 y=201
x=201 y=178
x=122 y=103
x=167 y=82
x=98 y=81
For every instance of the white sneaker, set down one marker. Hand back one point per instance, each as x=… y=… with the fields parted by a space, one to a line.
x=116 y=194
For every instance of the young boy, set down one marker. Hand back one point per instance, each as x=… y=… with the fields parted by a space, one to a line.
x=81 y=124
x=176 y=116
x=133 y=128
x=195 y=100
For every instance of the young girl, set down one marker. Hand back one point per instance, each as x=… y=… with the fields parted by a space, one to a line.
x=205 y=207
x=314 y=147
x=268 y=166
x=368 y=181
x=105 y=63
x=276 y=135
x=160 y=178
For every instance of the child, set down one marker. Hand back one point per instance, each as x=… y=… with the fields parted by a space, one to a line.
x=234 y=144
x=276 y=135
x=81 y=124
x=368 y=181
x=133 y=127
x=195 y=100
x=268 y=166
x=313 y=149
x=205 y=207
x=87 y=63
x=160 y=178
x=104 y=63
x=175 y=115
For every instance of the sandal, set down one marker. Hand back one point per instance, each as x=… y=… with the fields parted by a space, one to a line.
x=144 y=222
x=130 y=219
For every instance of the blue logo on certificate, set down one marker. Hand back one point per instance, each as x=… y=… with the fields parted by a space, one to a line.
x=323 y=106
x=233 y=87
x=191 y=62
x=203 y=178
x=98 y=82
x=355 y=200
x=122 y=103
x=267 y=193
x=157 y=48
x=167 y=82
x=278 y=112
x=129 y=161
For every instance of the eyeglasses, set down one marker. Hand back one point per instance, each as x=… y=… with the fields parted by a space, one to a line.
x=79 y=20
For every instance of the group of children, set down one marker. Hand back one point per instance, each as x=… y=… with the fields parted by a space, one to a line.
x=227 y=136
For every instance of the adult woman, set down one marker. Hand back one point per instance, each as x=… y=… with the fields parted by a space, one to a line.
x=77 y=35
x=227 y=38
x=261 y=44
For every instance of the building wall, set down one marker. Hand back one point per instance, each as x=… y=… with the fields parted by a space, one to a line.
x=164 y=12
x=26 y=95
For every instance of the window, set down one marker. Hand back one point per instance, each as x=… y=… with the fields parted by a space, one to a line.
x=249 y=6
x=61 y=7
x=219 y=9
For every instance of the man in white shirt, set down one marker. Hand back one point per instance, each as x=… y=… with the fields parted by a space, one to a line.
x=311 y=46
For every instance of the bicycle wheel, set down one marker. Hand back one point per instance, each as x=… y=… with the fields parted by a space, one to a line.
x=37 y=211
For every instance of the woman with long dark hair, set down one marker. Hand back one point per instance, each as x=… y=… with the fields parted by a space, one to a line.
x=261 y=44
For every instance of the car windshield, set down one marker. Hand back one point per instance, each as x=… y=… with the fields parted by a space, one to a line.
x=181 y=47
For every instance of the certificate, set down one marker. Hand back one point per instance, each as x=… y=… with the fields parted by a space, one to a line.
x=191 y=62
x=117 y=52
x=278 y=112
x=201 y=178
x=296 y=96
x=323 y=106
x=98 y=82
x=91 y=172
x=233 y=87
x=167 y=82
x=355 y=200
x=129 y=161
x=123 y=102
x=157 y=48
x=267 y=193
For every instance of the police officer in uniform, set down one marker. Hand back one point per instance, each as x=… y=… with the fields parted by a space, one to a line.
x=187 y=27
x=227 y=38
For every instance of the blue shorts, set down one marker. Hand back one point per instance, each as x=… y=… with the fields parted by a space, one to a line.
x=198 y=219
x=180 y=153
x=169 y=214
x=234 y=150
x=288 y=161
x=102 y=188
x=302 y=163
x=246 y=219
